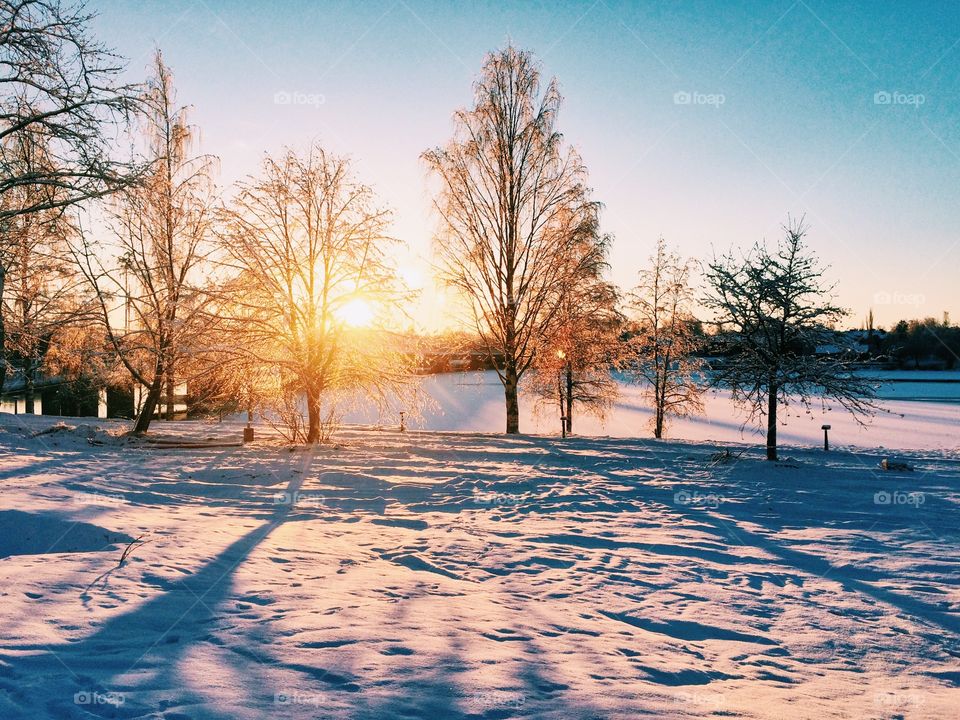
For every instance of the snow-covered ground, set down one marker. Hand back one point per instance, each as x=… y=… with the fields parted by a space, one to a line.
x=464 y=575
x=474 y=402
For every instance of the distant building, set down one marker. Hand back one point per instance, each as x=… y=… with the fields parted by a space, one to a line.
x=53 y=395
x=81 y=397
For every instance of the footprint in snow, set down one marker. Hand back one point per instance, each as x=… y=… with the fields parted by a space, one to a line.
x=506 y=636
x=396 y=650
x=257 y=600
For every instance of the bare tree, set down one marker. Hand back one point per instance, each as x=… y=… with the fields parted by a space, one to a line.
x=313 y=291
x=573 y=368
x=161 y=226
x=661 y=353
x=58 y=85
x=41 y=292
x=26 y=242
x=777 y=311
x=510 y=202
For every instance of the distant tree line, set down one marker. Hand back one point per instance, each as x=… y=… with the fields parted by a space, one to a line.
x=917 y=343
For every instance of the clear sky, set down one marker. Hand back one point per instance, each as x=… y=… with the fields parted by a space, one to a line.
x=706 y=122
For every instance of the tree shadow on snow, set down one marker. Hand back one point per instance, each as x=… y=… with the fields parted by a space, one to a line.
x=784 y=502
x=144 y=646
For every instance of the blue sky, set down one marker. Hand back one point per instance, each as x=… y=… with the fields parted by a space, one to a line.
x=706 y=122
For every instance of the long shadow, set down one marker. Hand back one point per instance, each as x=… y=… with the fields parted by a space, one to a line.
x=32 y=468
x=853 y=580
x=852 y=511
x=439 y=690
x=154 y=637
x=727 y=522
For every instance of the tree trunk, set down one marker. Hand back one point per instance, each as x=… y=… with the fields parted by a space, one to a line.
x=569 y=398
x=171 y=405
x=313 y=417
x=511 y=398
x=772 y=422
x=3 y=333
x=150 y=404
x=659 y=410
x=28 y=390
x=561 y=405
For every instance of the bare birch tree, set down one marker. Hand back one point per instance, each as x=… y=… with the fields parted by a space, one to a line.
x=510 y=201
x=660 y=354
x=314 y=293
x=161 y=226
x=777 y=310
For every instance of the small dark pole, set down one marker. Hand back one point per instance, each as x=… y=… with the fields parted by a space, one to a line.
x=563 y=418
x=826 y=439
x=403 y=421
x=248 y=430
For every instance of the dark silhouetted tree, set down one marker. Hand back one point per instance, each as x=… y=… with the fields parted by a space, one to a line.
x=777 y=310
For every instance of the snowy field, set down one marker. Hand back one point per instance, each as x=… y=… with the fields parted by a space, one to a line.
x=463 y=575
x=473 y=402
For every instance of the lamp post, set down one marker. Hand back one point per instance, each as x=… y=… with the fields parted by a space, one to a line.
x=563 y=418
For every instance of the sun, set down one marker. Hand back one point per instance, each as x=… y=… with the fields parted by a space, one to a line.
x=356 y=313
